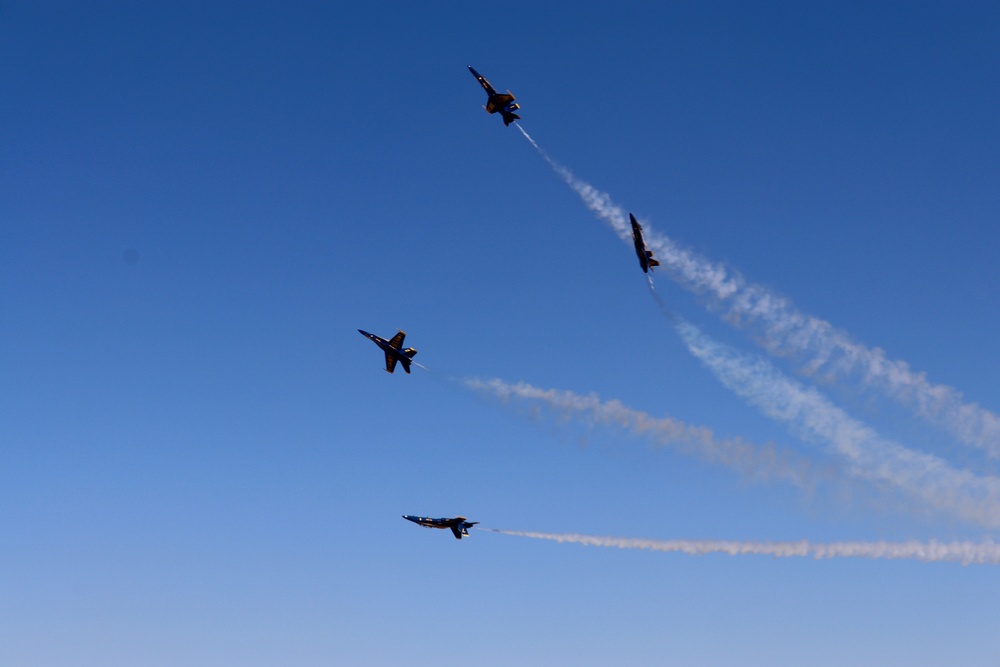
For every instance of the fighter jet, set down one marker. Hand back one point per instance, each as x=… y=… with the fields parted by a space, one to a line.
x=645 y=256
x=498 y=101
x=459 y=526
x=394 y=350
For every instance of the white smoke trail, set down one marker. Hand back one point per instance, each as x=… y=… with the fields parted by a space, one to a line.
x=750 y=460
x=528 y=137
x=598 y=202
x=966 y=553
x=870 y=456
x=823 y=350
x=784 y=331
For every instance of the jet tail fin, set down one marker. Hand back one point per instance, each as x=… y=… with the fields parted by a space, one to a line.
x=651 y=261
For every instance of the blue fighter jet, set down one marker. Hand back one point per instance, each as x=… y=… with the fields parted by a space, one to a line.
x=504 y=103
x=394 y=350
x=459 y=526
x=645 y=255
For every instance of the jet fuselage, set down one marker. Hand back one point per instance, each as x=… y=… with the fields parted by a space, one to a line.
x=645 y=255
x=458 y=525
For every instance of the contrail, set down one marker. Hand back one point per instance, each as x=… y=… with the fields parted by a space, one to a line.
x=824 y=351
x=528 y=137
x=750 y=460
x=814 y=418
x=598 y=202
x=819 y=347
x=966 y=553
x=872 y=457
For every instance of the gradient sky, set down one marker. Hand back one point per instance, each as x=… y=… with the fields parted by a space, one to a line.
x=203 y=463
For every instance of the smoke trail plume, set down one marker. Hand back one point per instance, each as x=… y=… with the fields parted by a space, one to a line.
x=814 y=418
x=598 y=202
x=528 y=137
x=750 y=460
x=822 y=350
x=966 y=553
x=817 y=346
x=783 y=330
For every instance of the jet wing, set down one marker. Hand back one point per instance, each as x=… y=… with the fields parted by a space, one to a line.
x=397 y=340
x=497 y=102
x=390 y=362
x=457 y=531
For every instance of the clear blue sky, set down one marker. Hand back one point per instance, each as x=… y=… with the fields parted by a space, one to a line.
x=202 y=462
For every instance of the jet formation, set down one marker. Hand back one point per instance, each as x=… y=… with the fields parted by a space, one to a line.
x=394 y=350
x=459 y=526
x=396 y=353
x=645 y=255
x=504 y=103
